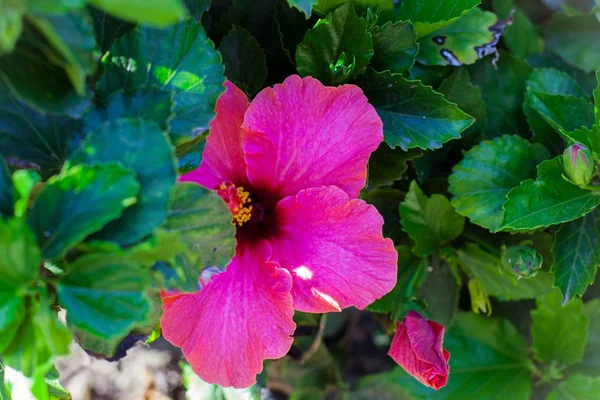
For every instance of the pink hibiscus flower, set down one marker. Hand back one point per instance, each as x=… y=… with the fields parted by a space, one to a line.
x=290 y=166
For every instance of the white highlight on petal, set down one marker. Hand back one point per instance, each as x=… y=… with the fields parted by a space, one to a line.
x=330 y=300
x=303 y=272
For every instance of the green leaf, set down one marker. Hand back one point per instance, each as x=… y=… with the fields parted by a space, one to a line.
x=78 y=202
x=189 y=154
x=338 y=48
x=464 y=41
x=54 y=387
x=39 y=339
x=457 y=88
x=411 y=272
x=561 y=112
x=383 y=8
x=413 y=115
x=431 y=15
x=498 y=283
x=576 y=253
x=196 y=8
x=33 y=139
x=108 y=28
x=72 y=36
x=388 y=165
x=11 y=26
x=576 y=387
x=586 y=136
x=158 y=13
x=559 y=331
x=430 y=222
x=521 y=37
x=553 y=81
x=394 y=46
x=488 y=361
x=104 y=294
x=590 y=364
x=33 y=76
x=7 y=198
x=502 y=85
x=54 y=6
x=204 y=223
x=291 y=27
x=481 y=180
x=149 y=104
x=575 y=39
x=190 y=69
x=547 y=201
x=25 y=181
x=440 y=291
x=387 y=200
x=303 y=5
x=597 y=99
x=244 y=60
x=141 y=146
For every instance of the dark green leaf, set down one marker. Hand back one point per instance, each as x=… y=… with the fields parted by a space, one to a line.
x=547 y=201
x=197 y=7
x=430 y=222
x=521 y=37
x=388 y=165
x=151 y=12
x=7 y=198
x=72 y=36
x=561 y=112
x=588 y=137
x=597 y=99
x=576 y=252
x=498 y=283
x=576 y=387
x=502 y=85
x=559 y=331
x=457 y=88
x=189 y=154
x=394 y=46
x=431 y=15
x=488 y=361
x=383 y=8
x=150 y=104
x=303 y=5
x=575 y=39
x=464 y=41
x=141 y=146
x=189 y=68
x=108 y=28
x=78 y=202
x=104 y=294
x=338 y=48
x=440 y=290
x=204 y=222
x=413 y=115
x=481 y=181
x=553 y=81
x=54 y=6
x=31 y=75
x=244 y=60
x=387 y=201
x=590 y=365
x=291 y=26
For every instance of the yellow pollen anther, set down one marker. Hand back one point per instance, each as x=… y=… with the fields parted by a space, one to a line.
x=238 y=201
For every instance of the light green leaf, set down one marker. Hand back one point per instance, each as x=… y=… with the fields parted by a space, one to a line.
x=78 y=202
x=559 y=331
x=481 y=180
x=149 y=104
x=588 y=137
x=54 y=387
x=25 y=181
x=576 y=387
x=394 y=46
x=590 y=365
x=431 y=15
x=190 y=69
x=430 y=222
x=158 y=13
x=204 y=223
x=553 y=81
x=338 y=48
x=244 y=60
x=464 y=41
x=304 y=6
x=575 y=39
x=488 y=361
x=502 y=85
x=33 y=139
x=413 y=115
x=72 y=36
x=141 y=146
x=7 y=198
x=39 y=339
x=11 y=26
x=383 y=8
x=521 y=37
x=547 y=201
x=498 y=283
x=104 y=294
x=576 y=254
x=561 y=112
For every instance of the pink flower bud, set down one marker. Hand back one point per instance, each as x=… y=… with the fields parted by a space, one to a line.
x=417 y=347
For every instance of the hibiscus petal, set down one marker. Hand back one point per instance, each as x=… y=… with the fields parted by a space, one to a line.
x=334 y=249
x=223 y=158
x=301 y=134
x=239 y=318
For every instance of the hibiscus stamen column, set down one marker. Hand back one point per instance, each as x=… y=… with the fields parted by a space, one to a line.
x=238 y=201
